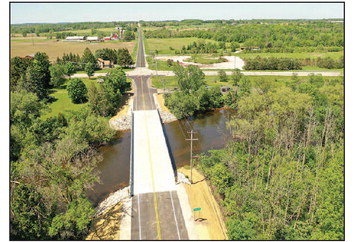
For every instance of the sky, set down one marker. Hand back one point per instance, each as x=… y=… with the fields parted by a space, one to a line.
x=106 y=12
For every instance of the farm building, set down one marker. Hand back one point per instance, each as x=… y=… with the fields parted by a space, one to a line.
x=74 y=38
x=104 y=63
x=93 y=38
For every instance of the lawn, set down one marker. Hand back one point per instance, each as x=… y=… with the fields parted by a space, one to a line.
x=163 y=45
x=171 y=83
x=63 y=103
x=56 y=49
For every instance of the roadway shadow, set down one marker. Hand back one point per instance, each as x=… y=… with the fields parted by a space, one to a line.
x=200 y=219
x=107 y=225
x=198 y=181
x=173 y=163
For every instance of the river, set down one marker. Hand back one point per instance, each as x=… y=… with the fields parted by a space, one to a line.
x=114 y=169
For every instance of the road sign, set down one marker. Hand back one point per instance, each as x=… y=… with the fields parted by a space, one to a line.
x=197 y=209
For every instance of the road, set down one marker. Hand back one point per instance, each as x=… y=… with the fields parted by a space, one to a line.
x=143 y=99
x=156 y=213
x=144 y=219
x=140 y=59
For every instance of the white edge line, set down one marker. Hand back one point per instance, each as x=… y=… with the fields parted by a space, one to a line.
x=139 y=212
x=176 y=221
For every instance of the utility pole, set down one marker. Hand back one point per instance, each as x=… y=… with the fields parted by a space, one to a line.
x=191 y=154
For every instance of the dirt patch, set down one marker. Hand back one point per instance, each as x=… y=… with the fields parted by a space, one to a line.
x=209 y=220
x=107 y=225
x=56 y=49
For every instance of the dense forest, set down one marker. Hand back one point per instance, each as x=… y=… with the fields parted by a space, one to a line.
x=282 y=178
x=53 y=160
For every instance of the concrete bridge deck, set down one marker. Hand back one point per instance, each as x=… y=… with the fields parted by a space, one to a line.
x=153 y=171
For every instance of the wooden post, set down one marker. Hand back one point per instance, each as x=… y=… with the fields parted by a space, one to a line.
x=191 y=154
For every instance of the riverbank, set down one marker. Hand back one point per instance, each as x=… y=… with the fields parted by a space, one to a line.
x=209 y=221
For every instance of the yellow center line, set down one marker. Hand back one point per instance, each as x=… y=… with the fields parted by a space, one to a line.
x=152 y=177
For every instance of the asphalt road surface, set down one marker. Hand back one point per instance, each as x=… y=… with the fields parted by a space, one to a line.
x=140 y=59
x=165 y=222
x=143 y=99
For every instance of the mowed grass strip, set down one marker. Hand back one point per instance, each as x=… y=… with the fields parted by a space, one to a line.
x=170 y=82
x=63 y=103
x=56 y=49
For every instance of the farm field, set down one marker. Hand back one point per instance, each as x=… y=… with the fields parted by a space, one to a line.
x=163 y=45
x=56 y=49
x=171 y=83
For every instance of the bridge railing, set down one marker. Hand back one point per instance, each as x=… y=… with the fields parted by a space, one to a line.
x=132 y=156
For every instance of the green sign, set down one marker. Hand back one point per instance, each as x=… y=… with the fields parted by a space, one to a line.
x=197 y=209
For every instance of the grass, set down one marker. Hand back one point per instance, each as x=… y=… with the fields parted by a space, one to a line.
x=161 y=65
x=303 y=55
x=163 y=45
x=63 y=103
x=170 y=82
x=56 y=49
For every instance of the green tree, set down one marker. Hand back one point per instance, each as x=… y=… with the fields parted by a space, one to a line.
x=57 y=73
x=236 y=77
x=88 y=57
x=222 y=76
x=124 y=58
x=89 y=69
x=74 y=223
x=29 y=216
x=77 y=91
x=18 y=67
x=69 y=69
x=37 y=78
x=190 y=78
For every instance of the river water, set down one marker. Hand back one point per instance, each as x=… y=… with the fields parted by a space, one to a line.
x=114 y=169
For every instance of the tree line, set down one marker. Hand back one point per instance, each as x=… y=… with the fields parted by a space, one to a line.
x=282 y=178
x=273 y=63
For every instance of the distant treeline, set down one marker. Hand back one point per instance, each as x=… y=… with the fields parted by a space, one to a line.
x=46 y=28
x=265 y=36
x=226 y=22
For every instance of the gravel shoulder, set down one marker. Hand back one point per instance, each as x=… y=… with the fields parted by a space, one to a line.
x=208 y=222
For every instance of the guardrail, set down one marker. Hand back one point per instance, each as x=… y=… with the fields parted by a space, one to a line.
x=132 y=156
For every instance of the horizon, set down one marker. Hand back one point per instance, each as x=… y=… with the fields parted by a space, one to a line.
x=173 y=20
x=56 y=13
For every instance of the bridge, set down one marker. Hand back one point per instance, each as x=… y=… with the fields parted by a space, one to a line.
x=156 y=212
